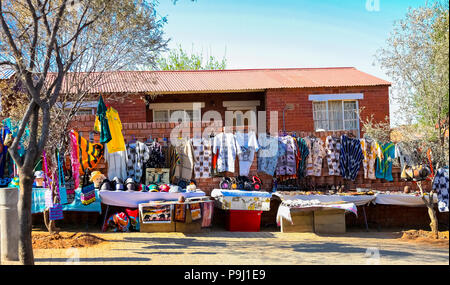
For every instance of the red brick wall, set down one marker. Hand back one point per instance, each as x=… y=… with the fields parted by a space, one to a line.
x=376 y=102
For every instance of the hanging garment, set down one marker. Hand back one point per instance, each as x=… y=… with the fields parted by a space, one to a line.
x=13 y=128
x=74 y=160
x=247 y=145
x=333 y=149
x=303 y=157
x=89 y=154
x=440 y=184
x=316 y=155
x=384 y=166
x=371 y=151
x=117 y=143
x=137 y=154
x=157 y=159
x=406 y=156
x=187 y=159
x=117 y=164
x=173 y=159
x=287 y=163
x=270 y=149
x=350 y=157
x=105 y=134
x=203 y=157
x=3 y=150
x=224 y=145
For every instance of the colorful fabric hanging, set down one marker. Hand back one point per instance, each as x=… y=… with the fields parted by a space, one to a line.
x=62 y=191
x=384 y=166
x=73 y=148
x=117 y=142
x=105 y=133
x=304 y=153
x=89 y=154
x=350 y=157
x=440 y=184
x=333 y=150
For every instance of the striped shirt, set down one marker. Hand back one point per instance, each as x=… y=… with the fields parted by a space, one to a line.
x=350 y=157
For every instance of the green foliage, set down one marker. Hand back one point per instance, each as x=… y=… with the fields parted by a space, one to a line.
x=416 y=56
x=179 y=59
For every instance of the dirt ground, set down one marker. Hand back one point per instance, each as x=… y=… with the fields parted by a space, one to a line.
x=425 y=237
x=44 y=240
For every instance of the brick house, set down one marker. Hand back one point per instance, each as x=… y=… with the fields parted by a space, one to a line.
x=310 y=99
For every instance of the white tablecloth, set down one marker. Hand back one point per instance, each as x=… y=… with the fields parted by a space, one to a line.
x=357 y=200
x=401 y=199
x=132 y=199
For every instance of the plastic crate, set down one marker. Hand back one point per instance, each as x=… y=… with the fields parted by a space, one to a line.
x=243 y=221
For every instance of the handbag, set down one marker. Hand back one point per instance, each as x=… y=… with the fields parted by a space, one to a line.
x=225 y=183
x=56 y=212
x=415 y=173
x=257 y=184
x=87 y=195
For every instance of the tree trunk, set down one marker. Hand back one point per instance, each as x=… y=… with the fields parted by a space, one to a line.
x=432 y=213
x=25 y=224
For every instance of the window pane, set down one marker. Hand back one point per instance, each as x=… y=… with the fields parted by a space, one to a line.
x=160 y=116
x=350 y=110
x=350 y=115
x=320 y=115
x=335 y=115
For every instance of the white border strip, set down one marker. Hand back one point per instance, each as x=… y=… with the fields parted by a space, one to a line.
x=342 y=96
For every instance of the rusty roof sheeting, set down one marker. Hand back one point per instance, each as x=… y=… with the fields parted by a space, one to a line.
x=160 y=82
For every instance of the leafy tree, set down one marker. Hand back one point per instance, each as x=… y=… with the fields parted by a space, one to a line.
x=416 y=56
x=179 y=59
x=45 y=41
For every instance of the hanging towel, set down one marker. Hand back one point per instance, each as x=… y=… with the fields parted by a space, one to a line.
x=105 y=133
x=89 y=154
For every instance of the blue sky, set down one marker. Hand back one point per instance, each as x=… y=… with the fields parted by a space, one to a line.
x=285 y=33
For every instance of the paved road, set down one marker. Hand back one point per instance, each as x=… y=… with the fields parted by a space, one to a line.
x=236 y=248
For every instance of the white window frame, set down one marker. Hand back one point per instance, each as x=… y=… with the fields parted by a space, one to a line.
x=344 y=97
x=92 y=105
x=244 y=106
x=189 y=106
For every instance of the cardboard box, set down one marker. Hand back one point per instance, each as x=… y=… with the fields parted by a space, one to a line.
x=329 y=221
x=303 y=222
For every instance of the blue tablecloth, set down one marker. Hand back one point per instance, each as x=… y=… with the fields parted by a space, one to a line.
x=38 y=202
x=240 y=193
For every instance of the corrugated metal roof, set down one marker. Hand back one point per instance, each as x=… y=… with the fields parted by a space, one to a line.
x=230 y=80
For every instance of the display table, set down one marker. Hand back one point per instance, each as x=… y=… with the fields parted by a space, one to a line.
x=318 y=218
x=242 y=200
x=132 y=199
x=358 y=200
x=38 y=202
x=401 y=199
x=164 y=216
